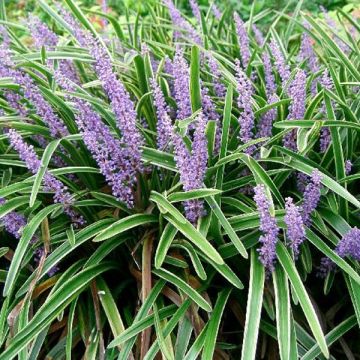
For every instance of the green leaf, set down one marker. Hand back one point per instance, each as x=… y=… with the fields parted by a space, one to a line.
x=283 y=318
x=165 y=241
x=142 y=324
x=192 y=194
x=110 y=308
x=304 y=300
x=195 y=91
x=169 y=327
x=124 y=224
x=28 y=233
x=49 y=151
x=71 y=235
x=215 y=208
x=214 y=324
x=56 y=303
x=166 y=352
x=12 y=204
x=183 y=286
x=336 y=333
x=253 y=308
x=69 y=337
x=185 y=227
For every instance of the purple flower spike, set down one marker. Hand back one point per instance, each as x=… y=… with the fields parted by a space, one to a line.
x=181 y=74
x=121 y=103
x=325 y=137
x=266 y=121
x=246 y=118
x=259 y=37
x=32 y=93
x=307 y=52
x=280 y=63
x=41 y=34
x=269 y=228
x=243 y=40
x=216 y=11
x=269 y=76
x=348 y=167
x=219 y=87
x=195 y=10
x=111 y=156
x=181 y=23
x=311 y=197
x=61 y=195
x=297 y=92
x=295 y=225
x=192 y=166
x=164 y=125
x=13 y=222
x=349 y=245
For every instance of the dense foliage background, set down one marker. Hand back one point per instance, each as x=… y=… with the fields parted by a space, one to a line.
x=178 y=183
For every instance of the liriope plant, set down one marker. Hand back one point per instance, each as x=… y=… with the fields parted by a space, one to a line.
x=179 y=187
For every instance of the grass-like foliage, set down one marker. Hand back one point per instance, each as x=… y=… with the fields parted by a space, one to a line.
x=179 y=188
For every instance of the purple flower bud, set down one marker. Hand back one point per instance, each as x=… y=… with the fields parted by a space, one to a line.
x=244 y=102
x=269 y=228
x=181 y=74
x=311 y=197
x=295 y=225
x=280 y=63
x=348 y=167
x=297 y=92
x=243 y=40
x=164 y=125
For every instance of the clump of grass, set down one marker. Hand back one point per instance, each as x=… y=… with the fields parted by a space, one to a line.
x=177 y=187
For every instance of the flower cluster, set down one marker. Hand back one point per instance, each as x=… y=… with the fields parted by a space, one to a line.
x=244 y=101
x=269 y=228
x=121 y=104
x=219 y=87
x=61 y=195
x=311 y=197
x=325 y=139
x=280 y=63
x=108 y=151
x=164 y=125
x=349 y=245
x=192 y=166
x=181 y=23
x=195 y=10
x=297 y=92
x=181 y=85
x=266 y=122
x=243 y=40
x=295 y=225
